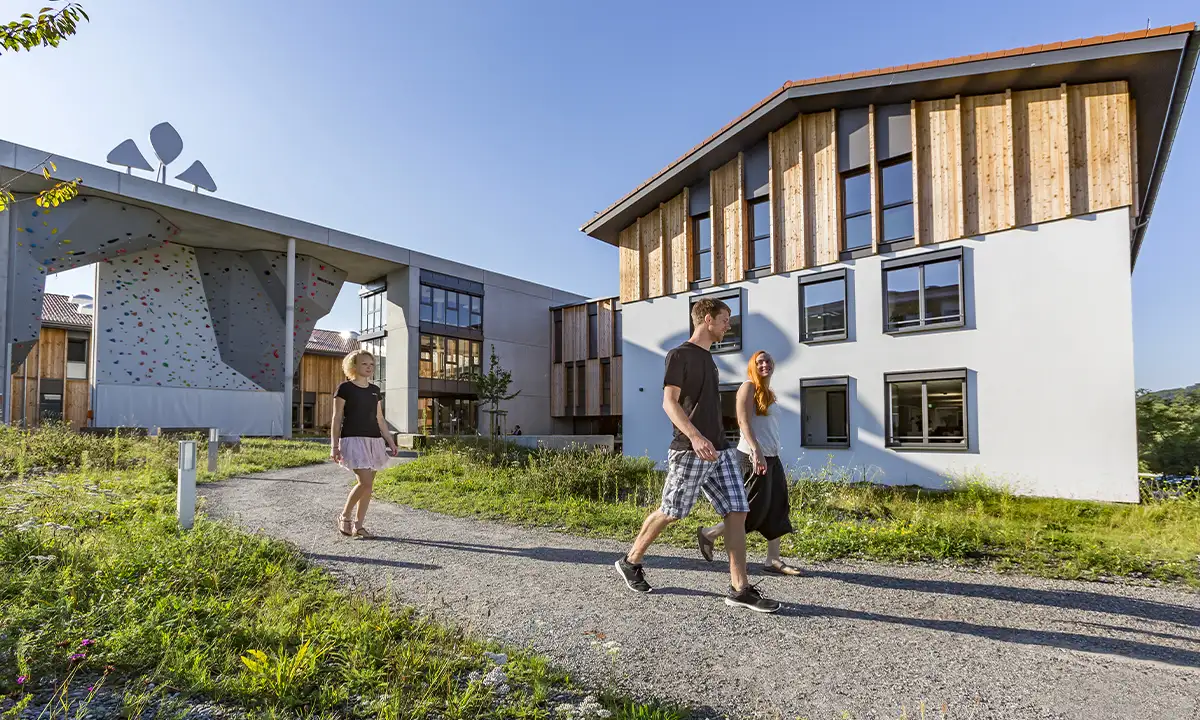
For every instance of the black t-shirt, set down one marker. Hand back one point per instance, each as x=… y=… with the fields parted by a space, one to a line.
x=691 y=369
x=359 y=416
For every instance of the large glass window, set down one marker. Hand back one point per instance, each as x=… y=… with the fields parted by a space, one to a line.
x=733 y=339
x=760 y=234
x=729 y=421
x=924 y=291
x=927 y=410
x=447 y=415
x=378 y=348
x=702 y=262
x=823 y=307
x=372 y=312
x=825 y=412
x=454 y=309
x=445 y=358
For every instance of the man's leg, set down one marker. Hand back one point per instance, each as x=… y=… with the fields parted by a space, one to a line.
x=652 y=527
x=735 y=546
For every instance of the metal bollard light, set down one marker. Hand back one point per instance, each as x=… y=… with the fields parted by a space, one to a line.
x=185 y=497
x=214 y=442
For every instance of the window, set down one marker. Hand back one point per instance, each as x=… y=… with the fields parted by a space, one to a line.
x=924 y=291
x=927 y=409
x=893 y=152
x=617 y=331
x=50 y=408
x=580 y=388
x=569 y=387
x=856 y=209
x=729 y=421
x=825 y=412
x=77 y=359
x=593 y=330
x=372 y=312
x=447 y=415
x=451 y=308
x=605 y=386
x=896 y=179
x=733 y=339
x=446 y=358
x=823 y=307
x=760 y=234
x=558 y=338
x=702 y=262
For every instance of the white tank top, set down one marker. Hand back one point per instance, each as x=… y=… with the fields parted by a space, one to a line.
x=766 y=431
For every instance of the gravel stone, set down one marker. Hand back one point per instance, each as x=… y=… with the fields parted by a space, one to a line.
x=869 y=639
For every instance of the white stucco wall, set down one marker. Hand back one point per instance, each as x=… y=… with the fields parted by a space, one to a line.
x=1048 y=342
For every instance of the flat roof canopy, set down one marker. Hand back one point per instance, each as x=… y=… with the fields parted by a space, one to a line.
x=1158 y=66
x=206 y=221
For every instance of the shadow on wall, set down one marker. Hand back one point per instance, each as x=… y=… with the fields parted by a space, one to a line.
x=643 y=369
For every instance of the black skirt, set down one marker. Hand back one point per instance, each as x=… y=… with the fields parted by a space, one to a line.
x=770 y=511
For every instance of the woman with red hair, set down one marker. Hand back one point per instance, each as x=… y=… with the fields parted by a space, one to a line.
x=762 y=472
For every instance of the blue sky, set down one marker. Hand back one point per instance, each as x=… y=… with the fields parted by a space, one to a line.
x=488 y=132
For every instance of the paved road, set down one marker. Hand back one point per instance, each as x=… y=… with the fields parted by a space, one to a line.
x=864 y=638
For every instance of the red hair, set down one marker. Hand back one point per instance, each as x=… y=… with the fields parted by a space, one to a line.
x=764 y=397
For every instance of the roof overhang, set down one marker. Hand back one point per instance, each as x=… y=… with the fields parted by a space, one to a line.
x=204 y=220
x=1158 y=70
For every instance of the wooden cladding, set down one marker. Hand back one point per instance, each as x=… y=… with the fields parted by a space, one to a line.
x=981 y=164
x=44 y=373
x=575 y=361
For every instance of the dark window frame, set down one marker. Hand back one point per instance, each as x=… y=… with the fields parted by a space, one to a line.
x=474 y=357
x=883 y=208
x=593 y=330
x=844 y=176
x=816 y=279
x=698 y=253
x=836 y=381
x=581 y=388
x=568 y=389
x=605 y=386
x=618 y=327
x=371 y=306
x=557 y=319
x=924 y=377
x=459 y=295
x=754 y=264
x=723 y=295
x=920 y=260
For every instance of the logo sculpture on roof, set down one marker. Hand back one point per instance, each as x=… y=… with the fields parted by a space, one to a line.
x=167 y=146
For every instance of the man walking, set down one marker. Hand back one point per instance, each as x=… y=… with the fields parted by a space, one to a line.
x=699 y=458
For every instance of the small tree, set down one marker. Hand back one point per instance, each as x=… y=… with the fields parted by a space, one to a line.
x=493 y=387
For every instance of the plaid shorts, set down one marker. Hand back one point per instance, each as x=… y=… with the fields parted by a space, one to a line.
x=687 y=475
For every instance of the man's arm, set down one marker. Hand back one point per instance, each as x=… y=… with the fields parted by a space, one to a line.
x=680 y=419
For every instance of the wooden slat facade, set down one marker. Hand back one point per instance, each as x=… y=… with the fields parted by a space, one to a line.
x=320 y=374
x=575 y=353
x=981 y=164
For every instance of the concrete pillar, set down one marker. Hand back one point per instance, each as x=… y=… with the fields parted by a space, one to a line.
x=289 y=336
x=402 y=320
x=7 y=230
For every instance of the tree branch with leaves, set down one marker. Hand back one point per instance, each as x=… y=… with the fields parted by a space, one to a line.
x=47 y=29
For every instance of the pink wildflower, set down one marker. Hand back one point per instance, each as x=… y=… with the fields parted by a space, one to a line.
x=21 y=679
x=77 y=656
x=85 y=643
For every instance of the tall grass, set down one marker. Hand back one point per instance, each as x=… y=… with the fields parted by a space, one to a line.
x=97 y=580
x=836 y=513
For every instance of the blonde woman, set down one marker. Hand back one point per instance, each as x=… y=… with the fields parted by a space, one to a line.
x=359 y=439
x=758 y=452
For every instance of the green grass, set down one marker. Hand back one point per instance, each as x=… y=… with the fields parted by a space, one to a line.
x=976 y=523
x=213 y=611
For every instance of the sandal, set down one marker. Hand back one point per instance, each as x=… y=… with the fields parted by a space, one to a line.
x=781 y=569
x=362 y=532
x=345 y=525
x=706 y=545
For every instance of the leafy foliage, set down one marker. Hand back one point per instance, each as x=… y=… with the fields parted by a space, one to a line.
x=51 y=197
x=493 y=387
x=1169 y=432
x=48 y=29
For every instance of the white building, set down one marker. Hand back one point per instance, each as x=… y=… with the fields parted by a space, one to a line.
x=938 y=257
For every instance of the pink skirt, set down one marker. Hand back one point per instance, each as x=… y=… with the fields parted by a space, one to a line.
x=364 y=453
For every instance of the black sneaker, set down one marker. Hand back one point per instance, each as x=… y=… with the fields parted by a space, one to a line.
x=750 y=597
x=633 y=575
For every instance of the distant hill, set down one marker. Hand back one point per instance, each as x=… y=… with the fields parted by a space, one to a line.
x=1171 y=393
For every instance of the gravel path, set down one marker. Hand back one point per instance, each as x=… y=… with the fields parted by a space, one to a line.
x=864 y=638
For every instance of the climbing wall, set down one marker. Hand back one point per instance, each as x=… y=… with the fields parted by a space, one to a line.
x=78 y=233
x=247 y=301
x=154 y=324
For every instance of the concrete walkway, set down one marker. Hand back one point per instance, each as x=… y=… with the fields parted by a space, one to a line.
x=864 y=638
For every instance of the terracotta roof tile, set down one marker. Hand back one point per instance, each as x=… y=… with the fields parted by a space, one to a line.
x=1027 y=50
x=330 y=342
x=59 y=310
